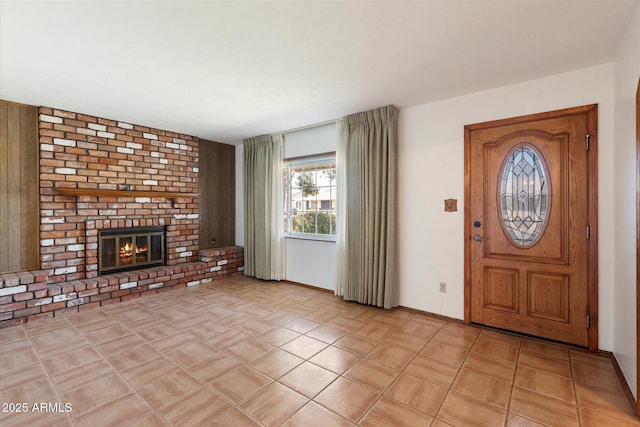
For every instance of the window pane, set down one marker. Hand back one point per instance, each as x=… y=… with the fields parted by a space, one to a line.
x=310 y=197
x=142 y=248
x=524 y=196
x=126 y=250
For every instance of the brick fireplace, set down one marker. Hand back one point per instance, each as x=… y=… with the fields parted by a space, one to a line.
x=101 y=174
x=92 y=153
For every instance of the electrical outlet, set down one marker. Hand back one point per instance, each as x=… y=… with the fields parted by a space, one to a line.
x=443 y=288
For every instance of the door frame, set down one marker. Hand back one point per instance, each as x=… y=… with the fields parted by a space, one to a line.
x=592 y=210
x=638 y=249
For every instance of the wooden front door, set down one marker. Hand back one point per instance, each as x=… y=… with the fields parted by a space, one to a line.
x=529 y=225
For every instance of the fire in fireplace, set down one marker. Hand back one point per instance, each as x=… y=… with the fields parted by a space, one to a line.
x=122 y=249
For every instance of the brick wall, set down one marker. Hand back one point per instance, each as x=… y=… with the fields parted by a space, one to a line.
x=82 y=151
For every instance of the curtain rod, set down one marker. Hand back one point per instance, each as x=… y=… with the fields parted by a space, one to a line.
x=308 y=126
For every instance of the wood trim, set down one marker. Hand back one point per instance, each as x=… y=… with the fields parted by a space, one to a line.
x=592 y=220
x=315 y=288
x=592 y=215
x=123 y=193
x=431 y=315
x=400 y=307
x=35 y=203
x=637 y=408
x=621 y=378
x=532 y=117
x=467 y=225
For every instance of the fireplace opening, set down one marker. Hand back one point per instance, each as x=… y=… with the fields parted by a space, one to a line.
x=123 y=249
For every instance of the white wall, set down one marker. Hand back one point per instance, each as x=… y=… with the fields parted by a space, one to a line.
x=431 y=169
x=314 y=140
x=626 y=72
x=310 y=262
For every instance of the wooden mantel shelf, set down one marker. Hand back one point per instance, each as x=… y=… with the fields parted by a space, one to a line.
x=123 y=193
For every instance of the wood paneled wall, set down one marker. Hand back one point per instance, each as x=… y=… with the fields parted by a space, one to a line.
x=19 y=188
x=216 y=177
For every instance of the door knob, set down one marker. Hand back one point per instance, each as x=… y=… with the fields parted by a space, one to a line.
x=479 y=238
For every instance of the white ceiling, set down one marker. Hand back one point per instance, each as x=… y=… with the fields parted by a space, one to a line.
x=225 y=71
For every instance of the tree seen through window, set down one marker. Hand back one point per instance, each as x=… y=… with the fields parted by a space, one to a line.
x=310 y=197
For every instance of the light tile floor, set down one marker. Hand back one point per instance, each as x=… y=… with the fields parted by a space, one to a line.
x=242 y=352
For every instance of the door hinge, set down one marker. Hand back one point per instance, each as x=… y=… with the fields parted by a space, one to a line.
x=588 y=232
x=588 y=138
x=588 y=321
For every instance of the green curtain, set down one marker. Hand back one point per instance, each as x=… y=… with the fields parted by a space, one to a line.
x=263 y=207
x=367 y=201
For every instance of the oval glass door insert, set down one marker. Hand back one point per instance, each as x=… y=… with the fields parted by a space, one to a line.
x=524 y=195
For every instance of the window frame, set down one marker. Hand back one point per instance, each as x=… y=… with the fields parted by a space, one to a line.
x=290 y=164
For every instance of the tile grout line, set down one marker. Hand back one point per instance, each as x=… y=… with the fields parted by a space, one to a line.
x=242 y=298
x=361 y=356
x=185 y=369
x=513 y=381
x=574 y=388
x=450 y=387
x=382 y=394
x=117 y=371
x=49 y=380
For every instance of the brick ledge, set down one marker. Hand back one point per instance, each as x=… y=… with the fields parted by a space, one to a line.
x=27 y=296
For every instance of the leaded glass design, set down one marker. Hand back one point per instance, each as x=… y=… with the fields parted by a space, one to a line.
x=524 y=196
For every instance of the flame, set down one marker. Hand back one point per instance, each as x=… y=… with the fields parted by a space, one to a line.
x=126 y=251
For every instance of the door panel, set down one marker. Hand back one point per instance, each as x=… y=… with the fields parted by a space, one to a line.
x=548 y=296
x=500 y=289
x=551 y=246
x=527 y=246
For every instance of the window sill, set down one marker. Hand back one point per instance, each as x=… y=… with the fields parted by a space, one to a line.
x=318 y=238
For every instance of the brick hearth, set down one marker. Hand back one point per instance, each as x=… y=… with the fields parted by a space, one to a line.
x=28 y=296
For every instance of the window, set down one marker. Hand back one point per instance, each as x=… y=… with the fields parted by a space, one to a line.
x=524 y=195
x=310 y=198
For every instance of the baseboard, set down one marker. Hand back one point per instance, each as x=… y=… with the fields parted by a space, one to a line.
x=623 y=380
x=432 y=315
x=315 y=288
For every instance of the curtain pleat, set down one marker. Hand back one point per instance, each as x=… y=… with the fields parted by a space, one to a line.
x=264 y=257
x=367 y=228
